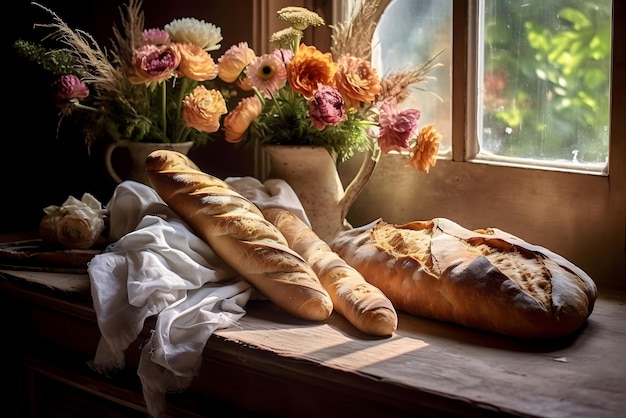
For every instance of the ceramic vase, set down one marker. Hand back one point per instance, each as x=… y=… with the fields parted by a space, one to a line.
x=133 y=166
x=311 y=171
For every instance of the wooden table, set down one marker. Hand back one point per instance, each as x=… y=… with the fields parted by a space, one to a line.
x=271 y=364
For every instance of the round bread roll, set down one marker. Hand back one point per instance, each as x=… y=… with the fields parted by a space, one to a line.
x=485 y=279
x=237 y=231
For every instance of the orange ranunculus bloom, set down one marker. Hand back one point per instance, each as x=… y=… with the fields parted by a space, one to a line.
x=154 y=64
x=356 y=80
x=308 y=68
x=239 y=120
x=233 y=62
x=195 y=63
x=202 y=109
x=424 y=153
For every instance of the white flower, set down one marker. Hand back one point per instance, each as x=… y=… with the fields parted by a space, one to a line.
x=206 y=35
x=75 y=224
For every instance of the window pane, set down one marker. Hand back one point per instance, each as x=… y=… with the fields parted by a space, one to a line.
x=545 y=79
x=409 y=33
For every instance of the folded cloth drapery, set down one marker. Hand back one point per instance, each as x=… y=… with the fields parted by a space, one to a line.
x=157 y=266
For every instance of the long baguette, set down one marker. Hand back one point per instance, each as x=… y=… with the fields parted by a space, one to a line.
x=237 y=231
x=486 y=279
x=360 y=302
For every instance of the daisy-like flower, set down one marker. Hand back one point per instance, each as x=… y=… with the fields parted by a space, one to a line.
x=300 y=18
x=309 y=68
x=357 y=81
x=423 y=155
x=195 y=63
x=267 y=74
x=237 y=122
x=206 y=35
x=154 y=64
x=234 y=61
x=155 y=37
x=396 y=128
x=203 y=108
x=326 y=108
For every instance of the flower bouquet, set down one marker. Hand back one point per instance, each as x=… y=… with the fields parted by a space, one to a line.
x=303 y=96
x=152 y=85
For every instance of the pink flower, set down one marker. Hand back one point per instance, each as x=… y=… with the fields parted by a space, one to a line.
x=68 y=88
x=326 y=107
x=396 y=128
x=233 y=62
x=267 y=73
x=155 y=37
x=154 y=64
x=284 y=55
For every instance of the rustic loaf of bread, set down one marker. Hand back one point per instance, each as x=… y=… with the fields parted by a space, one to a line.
x=485 y=279
x=237 y=231
x=361 y=303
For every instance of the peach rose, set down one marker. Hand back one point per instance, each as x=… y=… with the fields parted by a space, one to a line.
x=195 y=63
x=356 y=80
x=238 y=121
x=424 y=153
x=233 y=62
x=203 y=108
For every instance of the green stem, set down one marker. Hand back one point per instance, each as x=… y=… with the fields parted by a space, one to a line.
x=180 y=132
x=164 y=109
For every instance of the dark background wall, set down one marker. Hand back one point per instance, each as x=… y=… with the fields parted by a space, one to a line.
x=38 y=169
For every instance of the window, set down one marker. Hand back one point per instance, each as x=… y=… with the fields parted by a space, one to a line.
x=576 y=210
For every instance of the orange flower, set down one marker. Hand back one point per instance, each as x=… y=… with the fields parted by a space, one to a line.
x=234 y=60
x=239 y=120
x=195 y=63
x=308 y=68
x=356 y=80
x=202 y=109
x=424 y=153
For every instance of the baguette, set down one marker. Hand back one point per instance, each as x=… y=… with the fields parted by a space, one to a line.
x=360 y=302
x=237 y=231
x=484 y=279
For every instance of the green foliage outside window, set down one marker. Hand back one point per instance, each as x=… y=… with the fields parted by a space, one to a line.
x=546 y=91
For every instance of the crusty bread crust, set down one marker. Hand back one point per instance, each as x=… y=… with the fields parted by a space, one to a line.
x=237 y=231
x=484 y=279
x=361 y=303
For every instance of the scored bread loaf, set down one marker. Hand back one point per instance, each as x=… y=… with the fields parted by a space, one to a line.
x=361 y=303
x=237 y=231
x=485 y=279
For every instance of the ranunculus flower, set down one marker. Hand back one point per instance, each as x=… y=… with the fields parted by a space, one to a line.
x=357 y=81
x=202 y=109
x=424 y=153
x=191 y=30
x=195 y=63
x=396 y=128
x=309 y=68
x=155 y=37
x=233 y=62
x=238 y=121
x=67 y=88
x=154 y=64
x=326 y=107
x=267 y=73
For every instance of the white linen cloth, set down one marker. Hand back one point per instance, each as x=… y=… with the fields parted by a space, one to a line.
x=157 y=266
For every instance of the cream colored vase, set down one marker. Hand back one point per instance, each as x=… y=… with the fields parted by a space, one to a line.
x=137 y=153
x=311 y=171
